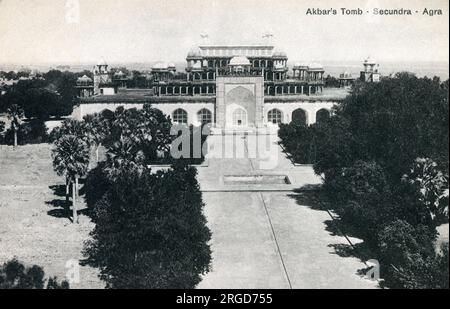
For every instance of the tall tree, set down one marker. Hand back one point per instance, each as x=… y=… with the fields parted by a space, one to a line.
x=71 y=160
x=15 y=114
x=96 y=128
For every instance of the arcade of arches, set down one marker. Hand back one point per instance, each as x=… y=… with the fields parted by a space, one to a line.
x=240 y=116
x=298 y=116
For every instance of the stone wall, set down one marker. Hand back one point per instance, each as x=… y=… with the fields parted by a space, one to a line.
x=167 y=108
x=310 y=108
x=261 y=112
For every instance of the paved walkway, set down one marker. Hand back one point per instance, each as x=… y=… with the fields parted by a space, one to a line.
x=263 y=237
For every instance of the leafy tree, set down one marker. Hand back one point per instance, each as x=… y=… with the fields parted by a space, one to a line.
x=14 y=275
x=40 y=103
x=138 y=80
x=71 y=160
x=432 y=186
x=2 y=126
x=15 y=114
x=43 y=98
x=409 y=257
x=124 y=70
x=299 y=142
x=68 y=92
x=150 y=231
x=331 y=81
x=11 y=75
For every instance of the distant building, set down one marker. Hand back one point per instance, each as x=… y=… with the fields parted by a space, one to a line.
x=85 y=86
x=103 y=80
x=346 y=79
x=370 y=73
x=239 y=86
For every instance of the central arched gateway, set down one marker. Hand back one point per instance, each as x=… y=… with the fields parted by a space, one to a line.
x=239 y=92
x=244 y=98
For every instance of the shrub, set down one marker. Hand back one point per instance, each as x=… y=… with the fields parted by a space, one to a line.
x=361 y=196
x=14 y=275
x=409 y=259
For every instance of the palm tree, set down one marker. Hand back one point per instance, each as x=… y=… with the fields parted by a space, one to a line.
x=71 y=160
x=95 y=128
x=15 y=114
x=124 y=154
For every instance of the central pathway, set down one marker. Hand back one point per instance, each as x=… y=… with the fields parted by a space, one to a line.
x=265 y=235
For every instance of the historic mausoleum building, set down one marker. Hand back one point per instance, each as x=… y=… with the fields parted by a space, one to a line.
x=231 y=87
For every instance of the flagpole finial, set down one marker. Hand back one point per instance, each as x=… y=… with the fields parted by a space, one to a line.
x=268 y=37
x=204 y=37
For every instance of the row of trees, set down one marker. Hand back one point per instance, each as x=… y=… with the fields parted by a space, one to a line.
x=12 y=75
x=384 y=159
x=30 y=102
x=52 y=95
x=150 y=231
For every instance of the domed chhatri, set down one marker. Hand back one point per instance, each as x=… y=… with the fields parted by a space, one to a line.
x=85 y=86
x=279 y=54
x=315 y=66
x=160 y=66
x=195 y=52
x=84 y=78
x=171 y=67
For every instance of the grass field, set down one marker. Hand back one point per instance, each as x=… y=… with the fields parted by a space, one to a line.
x=33 y=223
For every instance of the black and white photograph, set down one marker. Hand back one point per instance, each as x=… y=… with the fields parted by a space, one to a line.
x=224 y=150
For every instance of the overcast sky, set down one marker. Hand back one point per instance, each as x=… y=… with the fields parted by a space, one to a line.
x=45 y=31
